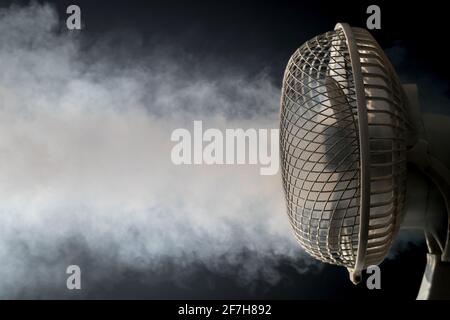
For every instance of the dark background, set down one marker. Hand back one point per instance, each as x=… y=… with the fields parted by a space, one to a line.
x=254 y=36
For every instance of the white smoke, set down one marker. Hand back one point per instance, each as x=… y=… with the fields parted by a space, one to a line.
x=85 y=158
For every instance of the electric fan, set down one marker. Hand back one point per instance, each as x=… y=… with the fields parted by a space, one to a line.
x=359 y=159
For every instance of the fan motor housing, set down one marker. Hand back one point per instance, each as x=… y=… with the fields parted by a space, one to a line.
x=343 y=140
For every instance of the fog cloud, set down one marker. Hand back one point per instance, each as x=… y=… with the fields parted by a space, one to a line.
x=85 y=153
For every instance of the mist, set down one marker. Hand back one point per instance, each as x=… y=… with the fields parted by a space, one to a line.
x=86 y=175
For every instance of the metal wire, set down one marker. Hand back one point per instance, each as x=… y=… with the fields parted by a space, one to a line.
x=320 y=148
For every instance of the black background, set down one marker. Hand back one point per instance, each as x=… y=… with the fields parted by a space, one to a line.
x=255 y=36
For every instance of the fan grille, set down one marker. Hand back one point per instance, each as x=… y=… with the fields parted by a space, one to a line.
x=320 y=148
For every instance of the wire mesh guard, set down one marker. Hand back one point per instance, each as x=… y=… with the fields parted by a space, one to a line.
x=320 y=148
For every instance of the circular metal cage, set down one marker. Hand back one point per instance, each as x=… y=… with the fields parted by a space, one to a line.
x=343 y=129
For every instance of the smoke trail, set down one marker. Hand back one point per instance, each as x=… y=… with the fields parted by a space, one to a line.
x=85 y=153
